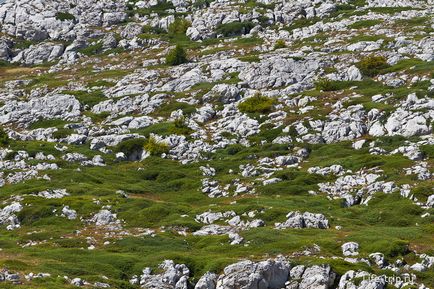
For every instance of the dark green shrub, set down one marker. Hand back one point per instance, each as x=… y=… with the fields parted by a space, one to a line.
x=257 y=103
x=365 y=24
x=4 y=138
x=179 y=26
x=234 y=28
x=326 y=84
x=372 y=65
x=198 y=4
x=176 y=56
x=88 y=98
x=64 y=16
x=180 y=127
x=155 y=148
x=280 y=43
x=62 y=133
x=234 y=149
x=130 y=146
x=92 y=49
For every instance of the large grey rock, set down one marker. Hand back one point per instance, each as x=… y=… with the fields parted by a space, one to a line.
x=304 y=220
x=270 y=274
x=103 y=218
x=350 y=249
x=39 y=20
x=276 y=72
x=207 y=281
x=40 y=53
x=351 y=279
x=49 y=107
x=347 y=124
x=317 y=277
x=8 y=217
x=174 y=276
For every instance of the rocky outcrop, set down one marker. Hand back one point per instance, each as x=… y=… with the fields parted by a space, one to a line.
x=39 y=20
x=299 y=220
x=49 y=107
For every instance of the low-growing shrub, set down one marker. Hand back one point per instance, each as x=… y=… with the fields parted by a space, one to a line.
x=325 y=84
x=62 y=133
x=234 y=28
x=130 y=146
x=179 y=26
x=155 y=147
x=365 y=24
x=180 y=127
x=372 y=65
x=92 y=49
x=176 y=56
x=198 y=4
x=280 y=43
x=256 y=103
x=64 y=16
x=4 y=138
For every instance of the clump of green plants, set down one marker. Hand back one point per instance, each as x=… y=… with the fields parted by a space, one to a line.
x=92 y=49
x=179 y=26
x=365 y=24
x=176 y=56
x=4 y=138
x=198 y=4
x=62 y=133
x=234 y=28
x=154 y=147
x=326 y=84
x=64 y=16
x=280 y=43
x=130 y=146
x=180 y=127
x=256 y=104
x=372 y=65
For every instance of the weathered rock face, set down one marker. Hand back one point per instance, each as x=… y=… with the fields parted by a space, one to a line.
x=49 y=107
x=317 y=277
x=346 y=125
x=174 y=276
x=207 y=281
x=306 y=220
x=8 y=217
x=347 y=281
x=43 y=19
x=39 y=54
x=270 y=274
x=350 y=249
x=275 y=72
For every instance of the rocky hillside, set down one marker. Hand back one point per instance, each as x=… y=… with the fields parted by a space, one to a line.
x=217 y=144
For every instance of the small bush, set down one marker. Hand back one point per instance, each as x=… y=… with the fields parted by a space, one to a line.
x=280 y=43
x=62 y=133
x=199 y=4
x=4 y=138
x=234 y=28
x=92 y=49
x=372 y=65
x=130 y=146
x=180 y=127
x=155 y=148
x=176 y=56
x=64 y=16
x=179 y=26
x=365 y=24
x=326 y=84
x=257 y=103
